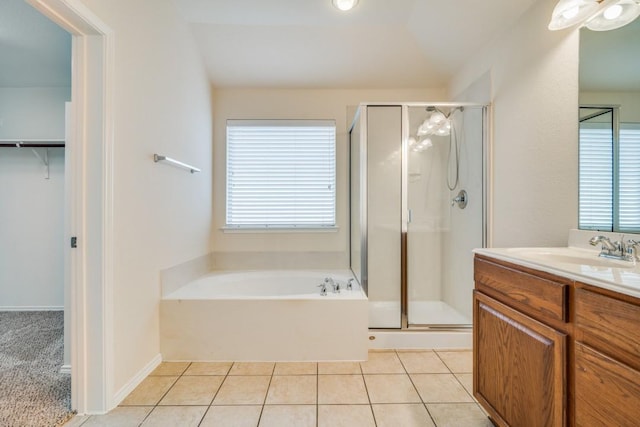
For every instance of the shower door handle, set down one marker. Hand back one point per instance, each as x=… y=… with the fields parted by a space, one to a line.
x=409 y=216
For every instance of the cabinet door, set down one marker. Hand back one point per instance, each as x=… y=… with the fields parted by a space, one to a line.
x=607 y=391
x=519 y=366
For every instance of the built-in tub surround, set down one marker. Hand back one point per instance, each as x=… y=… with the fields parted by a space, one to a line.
x=270 y=315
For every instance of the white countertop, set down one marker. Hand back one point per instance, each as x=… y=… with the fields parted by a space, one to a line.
x=583 y=265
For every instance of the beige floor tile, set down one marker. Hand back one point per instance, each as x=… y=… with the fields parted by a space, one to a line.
x=243 y=390
x=467 y=382
x=296 y=368
x=345 y=416
x=460 y=362
x=208 y=368
x=342 y=389
x=405 y=415
x=172 y=416
x=333 y=368
x=422 y=362
x=391 y=389
x=458 y=415
x=252 y=368
x=170 y=368
x=232 y=416
x=288 y=415
x=440 y=388
x=382 y=362
x=122 y=416
x=77 y=421
x=198 y=390
x=150 y=391
x=292 y=390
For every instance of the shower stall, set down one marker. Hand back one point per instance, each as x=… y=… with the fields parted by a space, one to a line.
x=417 y=201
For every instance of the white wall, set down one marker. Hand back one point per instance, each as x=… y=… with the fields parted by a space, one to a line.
x=629 y=103
x=31 y=207
x=33 y=112
x=294 y=104
x=534 y=91
x=162 y=214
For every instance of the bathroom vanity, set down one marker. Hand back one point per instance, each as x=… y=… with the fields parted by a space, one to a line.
x=556 y=338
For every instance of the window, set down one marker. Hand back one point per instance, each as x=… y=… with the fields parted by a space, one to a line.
x=281 y=174
x=609 y=174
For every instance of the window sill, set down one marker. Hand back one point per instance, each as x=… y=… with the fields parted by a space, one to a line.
x=276 y=229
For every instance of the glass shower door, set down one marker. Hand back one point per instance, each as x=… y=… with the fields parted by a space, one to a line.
x=444 y=156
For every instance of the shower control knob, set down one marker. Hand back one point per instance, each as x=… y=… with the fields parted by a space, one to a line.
x=461 y=199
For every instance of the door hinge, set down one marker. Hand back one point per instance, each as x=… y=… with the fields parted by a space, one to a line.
x=74 y=242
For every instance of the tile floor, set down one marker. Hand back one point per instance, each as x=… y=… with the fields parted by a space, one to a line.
x=393 y=388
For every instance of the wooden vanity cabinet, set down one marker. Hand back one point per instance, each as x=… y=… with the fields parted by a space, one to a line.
x=607 y=358
x=549 y=351
x=520 y=345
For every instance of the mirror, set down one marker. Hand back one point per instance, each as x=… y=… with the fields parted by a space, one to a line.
x=610 y=129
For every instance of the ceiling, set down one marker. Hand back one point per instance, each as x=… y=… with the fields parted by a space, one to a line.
x=34 y=51
x=310 y=44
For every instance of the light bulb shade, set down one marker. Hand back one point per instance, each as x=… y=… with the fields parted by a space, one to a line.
x=570 y=12
x=344 y=5
x=436 y=118
x=615 y=16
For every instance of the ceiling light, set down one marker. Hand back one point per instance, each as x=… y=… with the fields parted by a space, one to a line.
x=615 y=16
x=345 y=5
x=569 y=12
x=597 y=15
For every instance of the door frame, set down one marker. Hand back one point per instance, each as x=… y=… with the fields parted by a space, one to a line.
x=89 y=205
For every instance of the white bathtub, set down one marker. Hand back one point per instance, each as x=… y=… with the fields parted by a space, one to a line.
x=264 y=316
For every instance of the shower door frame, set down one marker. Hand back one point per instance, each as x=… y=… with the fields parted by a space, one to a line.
x=361 y=117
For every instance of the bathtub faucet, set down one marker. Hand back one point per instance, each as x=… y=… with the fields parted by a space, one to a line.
x=333 y=283
x=323 y=289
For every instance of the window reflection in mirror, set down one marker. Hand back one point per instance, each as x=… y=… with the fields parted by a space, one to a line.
x=610 y=129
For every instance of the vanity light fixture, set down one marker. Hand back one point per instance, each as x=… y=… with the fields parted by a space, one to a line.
x=596 y=15
x=344 y=5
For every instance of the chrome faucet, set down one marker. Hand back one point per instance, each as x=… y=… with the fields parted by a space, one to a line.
x=323 y=289
x=333 y=283
x=632 y=249
x=616 y=250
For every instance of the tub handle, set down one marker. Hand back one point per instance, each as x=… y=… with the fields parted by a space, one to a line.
x=323 y=289
x=350 y=284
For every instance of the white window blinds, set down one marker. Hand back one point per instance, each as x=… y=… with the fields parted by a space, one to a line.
x=629 y=186
x=599 y=209
x=281 y=173
x=596 y=176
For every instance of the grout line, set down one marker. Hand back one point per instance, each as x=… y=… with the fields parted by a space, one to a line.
x=214 y=397
x=417 y=391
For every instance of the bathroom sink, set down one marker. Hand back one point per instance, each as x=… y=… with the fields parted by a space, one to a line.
x=570 y=256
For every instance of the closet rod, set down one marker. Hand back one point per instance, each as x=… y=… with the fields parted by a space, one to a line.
x=30 y=145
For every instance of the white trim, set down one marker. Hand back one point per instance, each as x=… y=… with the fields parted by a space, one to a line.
x=279 y=229
x=137 y=379
x=65 y=369
x=31 y=308
x=91 y=203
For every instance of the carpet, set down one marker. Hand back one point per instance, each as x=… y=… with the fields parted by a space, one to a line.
x=32 y=390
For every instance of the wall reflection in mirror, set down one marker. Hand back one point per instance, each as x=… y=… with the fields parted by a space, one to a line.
x=609 y=143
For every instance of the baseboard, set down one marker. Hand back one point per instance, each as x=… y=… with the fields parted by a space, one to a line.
x=65 y=369
x=31 y=308
x=136 y=380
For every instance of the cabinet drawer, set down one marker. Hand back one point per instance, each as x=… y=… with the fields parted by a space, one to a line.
x=607 y=393
x=609 y=325
x=540 y=297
